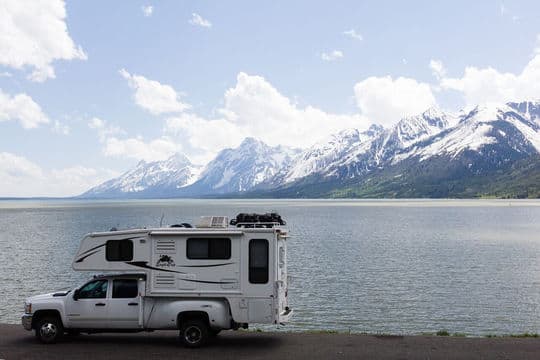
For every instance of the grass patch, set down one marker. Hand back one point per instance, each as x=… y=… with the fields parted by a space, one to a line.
x=525 y=335
x=442 y=333
x=322 y=332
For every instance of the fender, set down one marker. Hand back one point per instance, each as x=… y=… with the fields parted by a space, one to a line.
x=162 y=313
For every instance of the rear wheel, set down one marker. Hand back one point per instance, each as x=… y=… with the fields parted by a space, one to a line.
x=49 y=329
x=194 y=333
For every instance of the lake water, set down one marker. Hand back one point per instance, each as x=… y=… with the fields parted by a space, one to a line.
x=364 y=266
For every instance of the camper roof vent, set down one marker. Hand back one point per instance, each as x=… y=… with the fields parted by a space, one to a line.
x=267 y=220
x=213 y=222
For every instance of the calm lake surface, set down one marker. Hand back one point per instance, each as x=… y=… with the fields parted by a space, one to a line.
x=364 y=266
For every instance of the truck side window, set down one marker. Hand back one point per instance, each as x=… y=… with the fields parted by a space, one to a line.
x=125 y=288
x=258 y=261
x=208 y=248
x=94 y=290
x=119 y=250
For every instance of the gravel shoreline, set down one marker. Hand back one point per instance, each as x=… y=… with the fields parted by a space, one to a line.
x=17 y=343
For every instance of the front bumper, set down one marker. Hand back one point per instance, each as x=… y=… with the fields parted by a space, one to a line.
x=26 y=321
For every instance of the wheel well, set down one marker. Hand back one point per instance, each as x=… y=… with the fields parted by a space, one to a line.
x=192 y=315
x=40 y=314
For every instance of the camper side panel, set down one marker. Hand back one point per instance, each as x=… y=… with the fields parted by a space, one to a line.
x=195 y=264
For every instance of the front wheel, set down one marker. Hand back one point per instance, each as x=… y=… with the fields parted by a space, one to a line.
x=49 y=330
x=194 y=333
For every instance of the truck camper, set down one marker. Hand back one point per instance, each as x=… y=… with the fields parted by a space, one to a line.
x=199 y=280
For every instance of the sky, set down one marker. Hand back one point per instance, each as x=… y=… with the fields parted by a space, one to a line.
x=90 y=88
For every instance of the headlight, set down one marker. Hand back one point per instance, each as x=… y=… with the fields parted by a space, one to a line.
x=27 y=308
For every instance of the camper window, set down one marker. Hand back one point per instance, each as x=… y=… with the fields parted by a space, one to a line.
x=119 y=250
x=258 y=261
x=125 y=288
x=208 y=248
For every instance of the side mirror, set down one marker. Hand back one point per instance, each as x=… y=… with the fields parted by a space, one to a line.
x=76 y=295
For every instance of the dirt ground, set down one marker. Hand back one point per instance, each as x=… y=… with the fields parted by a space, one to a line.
x=17 y=343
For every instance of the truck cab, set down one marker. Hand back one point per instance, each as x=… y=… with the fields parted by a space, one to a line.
x=116 y=303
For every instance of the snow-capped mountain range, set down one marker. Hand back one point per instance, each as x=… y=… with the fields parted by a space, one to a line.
x=174 y=173
x=478 y=141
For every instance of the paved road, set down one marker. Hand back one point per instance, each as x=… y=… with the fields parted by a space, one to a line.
x=16 y=343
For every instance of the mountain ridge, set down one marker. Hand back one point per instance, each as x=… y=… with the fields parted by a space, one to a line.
x=432 y=154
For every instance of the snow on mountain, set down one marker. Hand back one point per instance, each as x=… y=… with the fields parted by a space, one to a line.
x=321 y=156
x=173 y=173
x=484 y=125
x=243 y=168
x=351 y=153
x=413 y=129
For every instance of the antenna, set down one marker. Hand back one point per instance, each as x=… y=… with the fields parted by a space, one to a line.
x=161 y=220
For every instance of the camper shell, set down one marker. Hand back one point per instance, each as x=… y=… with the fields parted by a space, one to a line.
x=243 y=264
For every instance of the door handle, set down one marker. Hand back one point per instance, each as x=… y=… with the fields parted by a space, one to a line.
x=133 y=304
x=100 y=304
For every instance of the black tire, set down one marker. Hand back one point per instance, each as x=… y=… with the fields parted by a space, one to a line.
x=214 y=332
x=49 y=329
x=194 y=333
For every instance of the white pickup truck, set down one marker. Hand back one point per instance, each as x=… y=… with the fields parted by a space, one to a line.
x=115 y=303
x=197 y=280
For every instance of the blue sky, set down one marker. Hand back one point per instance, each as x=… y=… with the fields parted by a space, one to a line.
x=88 y=89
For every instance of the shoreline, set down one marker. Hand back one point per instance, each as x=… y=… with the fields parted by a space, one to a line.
x=441 y=333
x=17 y=343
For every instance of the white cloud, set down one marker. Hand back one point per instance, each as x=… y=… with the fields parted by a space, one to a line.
x=131 y=147
x=481 y=85
x=23 y=109
x=153 y=96
x=34 y=34
x=147 y=10
x=137 y=148
x=353 y=34
x=385 y=100
x=204 y=138
x=75 y=180
x=5 y=74
x=198 y=20
x=61 y=128
x=437 y=68
x=13 y=166
x=332 y=56
x=253 y=107
x=103 y=129
x=22 y=177
x=537 y=48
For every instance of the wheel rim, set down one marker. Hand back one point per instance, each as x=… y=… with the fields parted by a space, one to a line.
x=48 y=330
x=192 y=334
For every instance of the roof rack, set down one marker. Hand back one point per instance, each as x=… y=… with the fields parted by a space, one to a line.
x=268 y=220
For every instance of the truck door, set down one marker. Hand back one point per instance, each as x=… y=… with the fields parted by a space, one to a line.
x=89 y=311
x=124 y=304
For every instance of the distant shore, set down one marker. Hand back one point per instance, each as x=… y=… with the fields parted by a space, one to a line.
x=16 y=343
